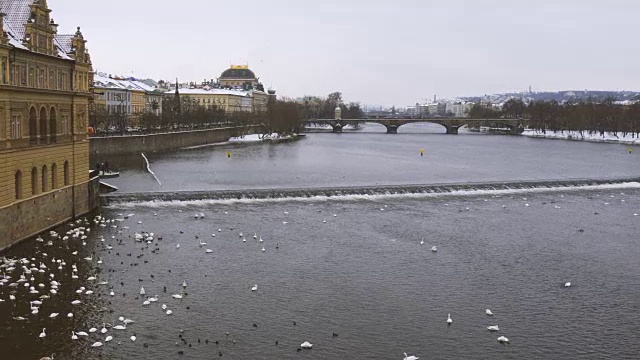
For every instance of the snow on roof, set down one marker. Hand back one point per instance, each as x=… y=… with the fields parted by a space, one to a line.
x=210 y=92
x=17 y=14
x=120 y=84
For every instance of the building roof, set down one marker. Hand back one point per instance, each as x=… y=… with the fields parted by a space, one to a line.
x=17 y=14
x=238 y=72
x=210 y=92
x=104 y=82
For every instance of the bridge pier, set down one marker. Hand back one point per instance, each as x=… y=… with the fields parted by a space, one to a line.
x=452 y=130
x=392 y=129
x=337 y=128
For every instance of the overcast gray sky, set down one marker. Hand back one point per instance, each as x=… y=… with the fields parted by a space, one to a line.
x=376 y=52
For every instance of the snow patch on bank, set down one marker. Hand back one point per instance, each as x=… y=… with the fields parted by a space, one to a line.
x=260 y=137
x=585 y=136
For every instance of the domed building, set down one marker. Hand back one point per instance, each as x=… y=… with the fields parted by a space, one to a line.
x=238 y=76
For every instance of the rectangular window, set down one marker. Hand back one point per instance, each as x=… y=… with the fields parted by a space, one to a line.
x=23 y=74
x=65 y=124
x=16 y=127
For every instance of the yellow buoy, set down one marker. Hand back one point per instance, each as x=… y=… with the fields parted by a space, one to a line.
x=228 y=154
x=630 y=150
x=421 y=152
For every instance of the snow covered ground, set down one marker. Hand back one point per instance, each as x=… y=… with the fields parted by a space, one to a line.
x=574 y=135
x=260 y=137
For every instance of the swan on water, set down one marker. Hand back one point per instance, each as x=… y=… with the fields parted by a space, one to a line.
x=133 y=338
x=422 y=241
x=488 y=312
x=240 y=235
x=120 y=327
x=177 y=246
x=208 y=251
x=108 y=338
x=503 y=339
x=434 y=249
x=96 y=344
x=111 y=293
x=76 y=302
x=567 y=284
x=255 y=235
x=493 y=328
x=169 y=312
x=74 y=336
x=260 y=239
x=82 y=333
x=128 y=321
x=121 y=318
x=70 y=315
x=449 y=321
x=104 y=329
x=92 y=330
x=254 y=288
x=407 y=357
x=306 y=345
x=53 y=315
x=184 y=283
x=164 y=306
x=176 y=296
x=142 y=292
x=42 y=334
x=263 y=249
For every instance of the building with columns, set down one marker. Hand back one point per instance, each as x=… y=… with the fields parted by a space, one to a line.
x=44 y=97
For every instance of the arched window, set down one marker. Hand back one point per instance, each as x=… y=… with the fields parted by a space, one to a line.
x=53 y=125
x=45 y=181
x=34 y=181
x=43 y=126
x=66 y=173
x=54 y=176
x=33 y=126
x=18 y=184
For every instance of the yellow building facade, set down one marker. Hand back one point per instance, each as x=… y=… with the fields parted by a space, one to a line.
x=44 y=99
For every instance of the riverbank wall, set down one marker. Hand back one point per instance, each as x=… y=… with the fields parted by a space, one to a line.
x=151 y=143
x=608 y=138
x=32 y=216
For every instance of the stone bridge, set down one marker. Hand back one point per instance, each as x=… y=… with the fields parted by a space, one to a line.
x=515 y=126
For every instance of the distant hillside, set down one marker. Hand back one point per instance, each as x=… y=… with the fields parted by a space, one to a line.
x=559 y=96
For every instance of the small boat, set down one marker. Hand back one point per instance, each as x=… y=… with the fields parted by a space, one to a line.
x=109 y=174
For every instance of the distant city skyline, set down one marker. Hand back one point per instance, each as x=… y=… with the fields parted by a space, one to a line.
x=375 y=52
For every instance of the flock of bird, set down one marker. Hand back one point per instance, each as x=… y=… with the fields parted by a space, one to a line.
x=35 y=280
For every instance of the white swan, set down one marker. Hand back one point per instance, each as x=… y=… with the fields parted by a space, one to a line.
x=169 y=312
x=120 y=327
x=104 y=329
x=449 y=321
x=407 y=357
x=76 y=302
x=208 y=251
x=567 y=284
x=82 y=333
x=255 y=235
x=421 y=243
x=133 y=338
x=96 y=344
x=263 y=249
x=74 y=336
x=306 y=345
x=503 y=339
x=488 y=312
x=176 y=296
x=42 y=334
x=92 y=330
x=493 y=328
x=254 y=288
x=108 y=338
x=434 y=249
x=142 y=292
x=164 y=306
x=184 y=284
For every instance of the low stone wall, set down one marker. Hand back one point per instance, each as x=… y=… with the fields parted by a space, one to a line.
x=135 y=144
x=32 y=216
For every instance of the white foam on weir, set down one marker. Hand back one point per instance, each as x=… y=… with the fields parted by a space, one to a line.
x=375 y=197
x=149 y=169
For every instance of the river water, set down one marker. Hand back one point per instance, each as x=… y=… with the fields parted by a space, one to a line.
x=349 y=274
